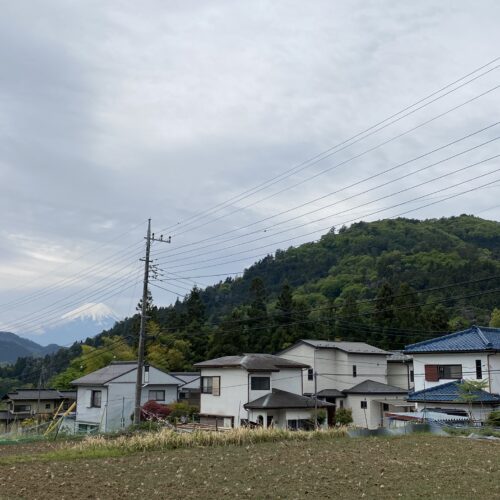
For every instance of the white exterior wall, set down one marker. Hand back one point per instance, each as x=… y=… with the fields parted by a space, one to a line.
x=118 y=399
x=372 y=417
x=233 y=394
x=334 y=367
x=235 y=390
x=468 y=362
x=493 y=361
x=86 y=413
x=288 y=379
x=398 y=374
x=302 y=353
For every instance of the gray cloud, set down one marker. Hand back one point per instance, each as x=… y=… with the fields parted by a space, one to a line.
x=116 y=111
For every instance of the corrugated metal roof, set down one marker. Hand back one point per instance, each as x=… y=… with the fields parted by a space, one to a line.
x=252 y=362
x=373 y=387
x=474 y=339
x=449 y=393
x=427 y=415
x=282 y=399
x=349 y=347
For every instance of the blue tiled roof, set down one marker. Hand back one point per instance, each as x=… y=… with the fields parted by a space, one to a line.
x=449 y=393
x=476 y=338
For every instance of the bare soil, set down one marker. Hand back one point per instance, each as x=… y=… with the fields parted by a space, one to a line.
x=407 y=467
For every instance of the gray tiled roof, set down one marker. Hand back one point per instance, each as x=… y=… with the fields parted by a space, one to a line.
x=373 y=387
x=106 y=374
x=42 y=394
x=474 y=339
x=449 y=393
x=252 y=362
x=283 y=399
x=349 y=347
x=331 y=393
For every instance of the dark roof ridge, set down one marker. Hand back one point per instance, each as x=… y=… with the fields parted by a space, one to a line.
x=487 y=343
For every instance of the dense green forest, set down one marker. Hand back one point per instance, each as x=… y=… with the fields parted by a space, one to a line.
x=389 y=283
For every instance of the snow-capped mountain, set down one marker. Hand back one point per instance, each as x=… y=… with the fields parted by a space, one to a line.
x=91 y=311
x=85 y=321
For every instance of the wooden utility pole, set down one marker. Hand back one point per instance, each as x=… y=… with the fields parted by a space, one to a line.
x=142 y=331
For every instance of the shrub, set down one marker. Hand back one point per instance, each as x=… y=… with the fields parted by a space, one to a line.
x=154 y=411
x=493 y=419
x=343 y=416
x=182 y=409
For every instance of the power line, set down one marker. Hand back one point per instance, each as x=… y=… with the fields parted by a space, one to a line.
x=373 y=176
x=359 y=155
x=321 y=230
x=392 y=194
x=293 y=170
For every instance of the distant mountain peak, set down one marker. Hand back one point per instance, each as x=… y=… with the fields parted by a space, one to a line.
x=91 y=311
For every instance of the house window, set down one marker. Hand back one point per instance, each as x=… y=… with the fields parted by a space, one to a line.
x=47 y=406
x=434 y=373
x=95 y=400
x=385 y=407
x=479 y=369
x=354 y=371
x=364 y=405
x=260 y=383
x=22 y=408
x=341 y=403
x=450 y=371
x=210 y=385
x=412 y=376
x=310 y=374
x=87 y=428
x=182 y=395
x=156 y=395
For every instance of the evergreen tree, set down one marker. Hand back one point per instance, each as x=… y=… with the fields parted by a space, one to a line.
x=258 y=322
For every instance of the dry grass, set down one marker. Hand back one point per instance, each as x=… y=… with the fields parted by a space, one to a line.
x=167 y=439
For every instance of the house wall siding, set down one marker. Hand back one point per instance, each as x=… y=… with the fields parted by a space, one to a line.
x=372 y=417
x=334 y=367
x=233 y=394
x=398 y=375
x=468 y=362
x=86 y=413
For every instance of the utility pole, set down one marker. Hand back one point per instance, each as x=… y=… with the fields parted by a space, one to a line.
x=142 y=332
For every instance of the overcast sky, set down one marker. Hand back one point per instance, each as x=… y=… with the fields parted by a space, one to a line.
x=113 y=112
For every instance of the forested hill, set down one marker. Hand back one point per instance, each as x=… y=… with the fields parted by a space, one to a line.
x=389 y=282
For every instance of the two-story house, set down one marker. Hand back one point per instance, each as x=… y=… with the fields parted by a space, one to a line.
x=353 y=375
x=258 y=388
x=106 y=397
x=440 y=364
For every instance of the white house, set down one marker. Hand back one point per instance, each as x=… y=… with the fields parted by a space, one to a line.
x=371 y=400
x=337 y=365
x=442 y=363
x=469 y=354
x=106 y=397
x=354 y=375
x=259 y=388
